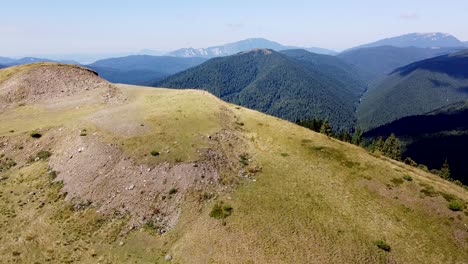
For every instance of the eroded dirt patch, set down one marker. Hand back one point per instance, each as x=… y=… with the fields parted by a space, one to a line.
x=99 y=174
x=52 y=82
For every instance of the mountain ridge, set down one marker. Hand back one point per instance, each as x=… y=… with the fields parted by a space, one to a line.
x=416 y=89
x=278 y=84
x=236 y=47
x=375 y=63
x=142 y=69
x=421 y=40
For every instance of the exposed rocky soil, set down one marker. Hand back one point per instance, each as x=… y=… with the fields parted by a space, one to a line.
x=52 y=82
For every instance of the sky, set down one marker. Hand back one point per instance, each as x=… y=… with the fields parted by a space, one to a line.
x=110 y=26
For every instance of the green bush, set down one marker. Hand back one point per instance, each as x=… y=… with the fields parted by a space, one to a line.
x=221 y=210
x=407 y=177
x=397 y=181
x=429 y=191
x=244 y=159
x=154 y=153
x=382 y=245
x=36 y=134
x=43 y=154
x=455 y=205
x=172 y=191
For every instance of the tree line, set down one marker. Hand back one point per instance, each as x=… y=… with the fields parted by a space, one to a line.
x=389 y=147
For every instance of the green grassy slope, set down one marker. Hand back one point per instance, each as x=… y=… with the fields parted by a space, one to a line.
x=299 y=196
x=293 y=85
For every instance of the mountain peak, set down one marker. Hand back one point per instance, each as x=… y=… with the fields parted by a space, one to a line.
x=421 y=40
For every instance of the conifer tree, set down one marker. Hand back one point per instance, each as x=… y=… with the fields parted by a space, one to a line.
x=392 y=148
x=379 y=143
x=326 y=128
x=345 y=136
x=357 y=137
x=445 y=170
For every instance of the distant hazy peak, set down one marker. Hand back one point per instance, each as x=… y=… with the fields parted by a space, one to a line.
x=258 y=51
x=422 y=40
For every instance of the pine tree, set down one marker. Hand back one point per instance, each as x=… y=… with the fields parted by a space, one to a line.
x=379 y=143
x=357 y=137
x=345 y=136
x=445 y=170
x=392 y=147
x=326 y=128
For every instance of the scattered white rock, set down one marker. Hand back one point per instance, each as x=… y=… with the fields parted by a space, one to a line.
x=168 y=257
x=121 y=243
x=131 y=187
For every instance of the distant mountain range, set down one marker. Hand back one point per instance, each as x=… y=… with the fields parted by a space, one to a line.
x=142 y=69
x=432 y=138
x=295 y=84
x=416 y=89
x=12 y=62
x=421 y=40
x=239 y=46
x=376 y=63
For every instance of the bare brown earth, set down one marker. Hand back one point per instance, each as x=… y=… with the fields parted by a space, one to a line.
x=52 y=84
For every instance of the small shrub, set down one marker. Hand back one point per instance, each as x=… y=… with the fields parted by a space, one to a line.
x=284 y=154
x=36 y=134
x=154 y=153
x=429 y=191
x=448 y=197
x=423 y=167
x=455 y=205
x=382 y=245
x=83 y=132
x=407 y=177
x=244 y=159
x=397 y=181
x=43 y=154
x=221 y=211
x=410 y=162
x=52 y=175
x=172 y=191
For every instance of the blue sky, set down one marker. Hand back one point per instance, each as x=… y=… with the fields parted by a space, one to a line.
x=47 y=26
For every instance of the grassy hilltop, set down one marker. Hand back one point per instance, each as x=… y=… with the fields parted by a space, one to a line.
x=96 y=172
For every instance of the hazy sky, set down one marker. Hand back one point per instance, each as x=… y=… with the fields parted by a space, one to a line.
x=48 y=26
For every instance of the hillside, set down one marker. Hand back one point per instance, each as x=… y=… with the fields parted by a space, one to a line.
x=123 y=174
x=141 y=69
x=432 y=138
x=375 y=63
x=416 y=89
x=239 y=46
x=291 y=87
x=420 y=40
